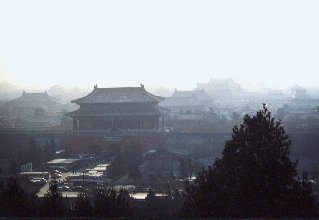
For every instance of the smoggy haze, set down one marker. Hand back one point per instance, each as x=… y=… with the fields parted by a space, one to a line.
x=168 y=43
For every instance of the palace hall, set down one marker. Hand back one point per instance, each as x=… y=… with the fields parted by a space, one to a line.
x=121 y=108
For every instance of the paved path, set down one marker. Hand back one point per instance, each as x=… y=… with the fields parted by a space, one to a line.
x=45 y=188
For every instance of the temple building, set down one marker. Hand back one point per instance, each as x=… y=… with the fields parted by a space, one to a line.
x=27 y=103
x=31 y=110
x=224 y=91
x=127 y=108
x=188 y=101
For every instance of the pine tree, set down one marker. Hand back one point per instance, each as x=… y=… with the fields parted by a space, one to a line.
x=109 y=204
x=133 y=158
x=53 y=205
x=14 y=202
x=253 y=178
x=83 y=206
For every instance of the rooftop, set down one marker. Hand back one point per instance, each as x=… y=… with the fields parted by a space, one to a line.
x=182 y=101
x=65 y=161
x=39 y=98
x=118 y=95
x=199 y=94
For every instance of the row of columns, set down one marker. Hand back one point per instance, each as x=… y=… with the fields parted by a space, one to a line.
x=120 y=123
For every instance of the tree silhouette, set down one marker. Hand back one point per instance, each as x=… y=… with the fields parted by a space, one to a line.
x=83 y=206
x=108 y=204
x=253 y=178
x=53 y=205
x=118 y=167
x=123 y=206
x=14 y=202
x=133 y=158
x=133 y=154
x=152 y=203
x=127 y=162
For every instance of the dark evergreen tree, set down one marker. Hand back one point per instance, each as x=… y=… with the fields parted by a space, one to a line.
x=127 y=162
x=253 y=178
x=53 y=205
x=14 y=202
x=118 y=167
x=133 y=155
x=162 y=207
x=83 y=206
x=108 y=204
x=122 y=204
x=152 y=203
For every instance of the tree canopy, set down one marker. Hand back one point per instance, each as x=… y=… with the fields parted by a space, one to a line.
x=109 y=204
x=253 y=178
x=14 y=202
x=53 y=205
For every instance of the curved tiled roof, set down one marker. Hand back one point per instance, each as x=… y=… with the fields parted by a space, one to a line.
x=36 y=96
x=34 y=99
x=118 y=95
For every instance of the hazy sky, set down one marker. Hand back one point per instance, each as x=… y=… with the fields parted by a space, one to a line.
x=165 y=43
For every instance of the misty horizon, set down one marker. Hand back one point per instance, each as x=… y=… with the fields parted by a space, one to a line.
x=168 y=44
x=248 y=87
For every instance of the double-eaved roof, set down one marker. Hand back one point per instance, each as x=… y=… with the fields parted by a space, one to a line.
x=118 y=95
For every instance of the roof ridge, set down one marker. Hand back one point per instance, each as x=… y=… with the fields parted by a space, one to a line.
x=123 y=87
x=118 y=95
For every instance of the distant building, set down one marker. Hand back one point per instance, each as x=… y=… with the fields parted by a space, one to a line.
x=275 y=98
x=188 y=101
x=111 y=118
x=302 y=108
x=298 y=92
x=117 y=108
x=224 y=90
x=64 y=163
x=34 y=101
x=34 y=110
